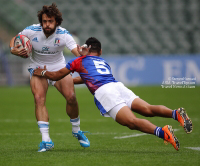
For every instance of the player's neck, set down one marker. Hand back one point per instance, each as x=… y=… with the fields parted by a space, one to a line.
x=93 y=54
x=47 y=35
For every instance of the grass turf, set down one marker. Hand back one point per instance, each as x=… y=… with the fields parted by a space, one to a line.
x=19 y=134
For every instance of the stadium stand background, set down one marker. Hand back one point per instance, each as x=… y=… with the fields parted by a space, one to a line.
x=134 y=27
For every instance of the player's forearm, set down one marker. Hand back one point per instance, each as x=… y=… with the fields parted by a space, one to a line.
x=11 y=44
x=75 y=52
x=78 y=80
x=53 y=76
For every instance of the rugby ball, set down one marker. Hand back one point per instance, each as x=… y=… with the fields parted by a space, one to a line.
x=25 y=43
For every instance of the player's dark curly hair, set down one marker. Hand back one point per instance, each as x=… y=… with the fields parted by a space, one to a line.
x=95 y=44
x=50 y=11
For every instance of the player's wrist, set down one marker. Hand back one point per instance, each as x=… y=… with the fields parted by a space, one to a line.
x=43 y=73
x=11 y=50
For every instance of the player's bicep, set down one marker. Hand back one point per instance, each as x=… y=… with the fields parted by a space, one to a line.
x=26 y=32
x=70 y=42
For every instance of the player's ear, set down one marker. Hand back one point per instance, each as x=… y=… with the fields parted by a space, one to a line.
x=100 y=52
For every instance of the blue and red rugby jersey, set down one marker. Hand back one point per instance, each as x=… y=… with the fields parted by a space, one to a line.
x=93 y=70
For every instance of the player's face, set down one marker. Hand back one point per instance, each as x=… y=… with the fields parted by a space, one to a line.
x=48 y=25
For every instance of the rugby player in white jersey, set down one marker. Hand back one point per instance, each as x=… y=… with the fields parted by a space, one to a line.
x=49 y=40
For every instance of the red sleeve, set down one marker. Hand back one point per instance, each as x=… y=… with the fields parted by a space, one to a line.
x=75 y=64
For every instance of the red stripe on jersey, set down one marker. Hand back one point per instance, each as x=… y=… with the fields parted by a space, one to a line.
x=76 y=65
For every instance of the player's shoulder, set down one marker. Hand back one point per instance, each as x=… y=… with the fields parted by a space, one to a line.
x=62 y=31
x=34 y=27
x=78 y=58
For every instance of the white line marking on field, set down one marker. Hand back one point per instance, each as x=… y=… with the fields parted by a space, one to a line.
x=129 y=136
x=53 y=120
x=193 y=148
x=4 y=134
x=176 y=129
x=136 y=135
x=97 y=133
x=17 y=121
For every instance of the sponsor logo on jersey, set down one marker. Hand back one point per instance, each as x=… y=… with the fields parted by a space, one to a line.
x=35 y=39
x=56 y=42
x=46 y=52
x=45 y=48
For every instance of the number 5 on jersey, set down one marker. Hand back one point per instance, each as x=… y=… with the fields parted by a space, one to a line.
x=101 y=67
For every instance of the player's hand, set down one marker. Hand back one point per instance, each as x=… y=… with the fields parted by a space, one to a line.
x=83 y=50
x=38 y=71
x=19 y=51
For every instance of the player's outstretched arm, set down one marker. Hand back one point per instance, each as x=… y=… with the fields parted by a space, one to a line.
x=15 y=49
x=78 y=80
x=55 y=76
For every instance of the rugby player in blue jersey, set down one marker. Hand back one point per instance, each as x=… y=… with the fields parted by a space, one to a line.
x=48 y=40
x=115 y=100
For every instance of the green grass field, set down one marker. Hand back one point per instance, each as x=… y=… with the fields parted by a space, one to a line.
x=111 y=144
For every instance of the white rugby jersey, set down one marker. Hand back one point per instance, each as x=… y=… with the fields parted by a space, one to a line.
x=48 y=50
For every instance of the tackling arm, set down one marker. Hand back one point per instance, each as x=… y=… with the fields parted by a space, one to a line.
x=78 y=80
x=55 y=76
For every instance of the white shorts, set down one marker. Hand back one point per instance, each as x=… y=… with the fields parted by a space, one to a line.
x=111 y=97
x=54 y=67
